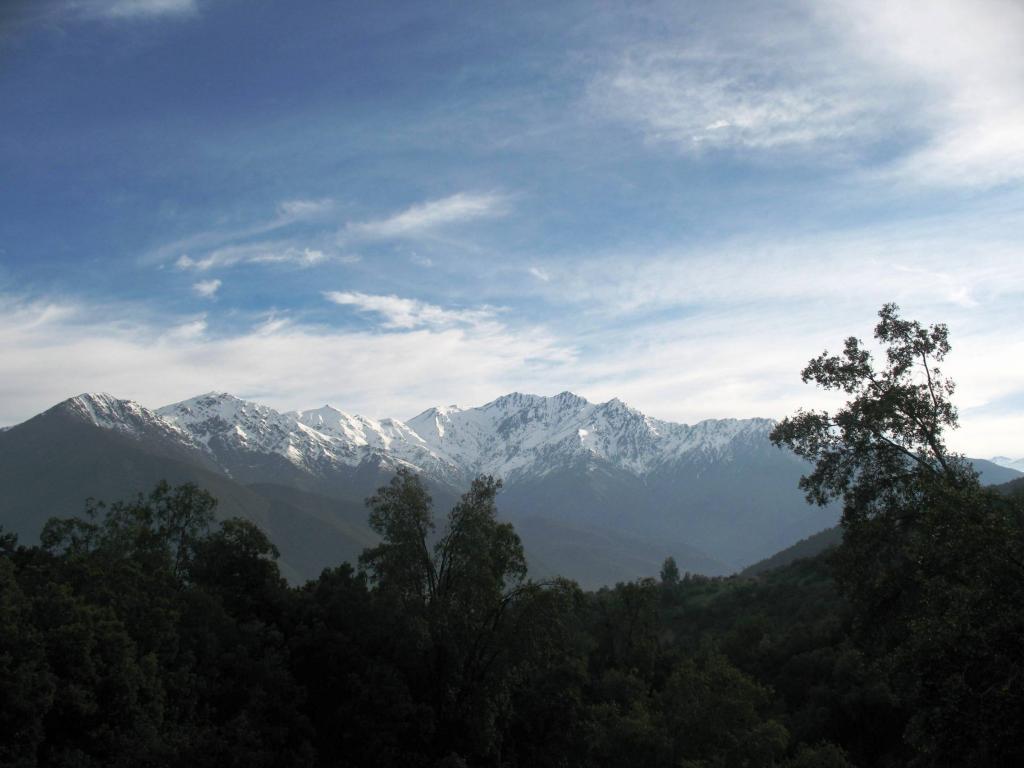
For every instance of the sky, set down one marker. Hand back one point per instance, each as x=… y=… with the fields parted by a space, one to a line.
x=389 y=206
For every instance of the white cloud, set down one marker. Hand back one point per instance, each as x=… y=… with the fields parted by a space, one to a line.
x=964 y=57
x=189 y=330
x=289 y=213
x=258 y=253
x=399 y=312
x=301 y=210
x=426 y=217
x=540 y=274
x=133 y=9
x=938 y=83
x=221 y=249
x=839 y=269
x=697 y=98
x=724 y=330
x=206 y=288
x=52 y=350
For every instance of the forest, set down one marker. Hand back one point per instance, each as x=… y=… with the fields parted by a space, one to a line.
x=146 y=633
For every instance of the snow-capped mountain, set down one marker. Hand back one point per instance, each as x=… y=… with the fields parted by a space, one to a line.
x=513 y=437
x=225 y=425
x=125 y=416
x=599 y=491
x=392 y=441
x=519 y=435
x=598 y=485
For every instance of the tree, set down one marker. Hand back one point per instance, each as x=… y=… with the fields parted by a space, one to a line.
x=715 y=716
x=669 y=572
x=401 y=565
x=932 y=564
x=466 y=598
x=26 y=685
x=885 y=447
x=162 y=528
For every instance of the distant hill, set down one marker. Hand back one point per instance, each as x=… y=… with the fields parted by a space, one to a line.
x=812 y=546
x=994 y=474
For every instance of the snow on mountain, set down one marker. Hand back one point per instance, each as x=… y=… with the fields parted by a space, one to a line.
x=222 y=422
x=387 y=438
x=515 y=436
x=527 y=434
x=125 y=416
x=1005 y=461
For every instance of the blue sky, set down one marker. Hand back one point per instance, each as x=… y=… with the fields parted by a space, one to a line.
x=390 y=206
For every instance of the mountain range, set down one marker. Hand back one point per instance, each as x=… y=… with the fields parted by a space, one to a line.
x=598 y=492
x=1005 y=461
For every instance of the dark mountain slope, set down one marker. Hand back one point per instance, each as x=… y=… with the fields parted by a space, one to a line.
x=812 y=546
x=50 y=464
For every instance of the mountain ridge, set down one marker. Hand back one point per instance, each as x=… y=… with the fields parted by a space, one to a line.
x=599 y=491
x=510 y=435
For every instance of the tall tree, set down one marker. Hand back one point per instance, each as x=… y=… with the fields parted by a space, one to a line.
x=468 y=596
x=401 y=565
x=932 y=563
x=886 y=445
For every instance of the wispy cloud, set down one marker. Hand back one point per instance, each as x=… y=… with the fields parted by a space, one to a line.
x=301 y=210
x=699 y=98
x=426 y=217
x=540 y=273
x=399 y=312
x=964 y=59
x=938 y=83
x=258 y=253
x=272 y=242
x=288 y=213
x=132 y=9
x=757 y=84
x=206 y=288
x=959 y=261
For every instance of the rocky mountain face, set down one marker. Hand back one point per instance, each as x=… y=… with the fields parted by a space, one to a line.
x=516 y=437
x=598 y=491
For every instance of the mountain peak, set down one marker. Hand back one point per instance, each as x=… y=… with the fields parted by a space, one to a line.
x=101 y=408
x=615 y=405
x=570 y=398
x=513 y=400
x=516 y=400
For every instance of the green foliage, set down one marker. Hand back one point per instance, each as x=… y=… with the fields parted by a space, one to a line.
x=401 y=564
x=625 y=626
x=669 y=572
x=715 y=716
x=933 y=565
x=822 y=755
x=478 y=620
x=885 y=446
x=159 y=530
x=27 y=686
